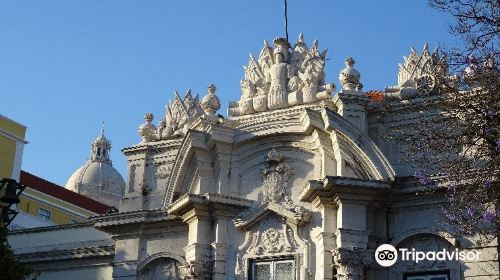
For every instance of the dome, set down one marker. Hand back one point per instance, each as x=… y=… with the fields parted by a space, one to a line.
x=97 y=178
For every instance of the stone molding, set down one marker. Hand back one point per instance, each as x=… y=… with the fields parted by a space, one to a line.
x=49 y=228
x=125 y=223
x=333 y=186
x=296 y=216
x=67 y=254
x=413 y=232
x=190 y=201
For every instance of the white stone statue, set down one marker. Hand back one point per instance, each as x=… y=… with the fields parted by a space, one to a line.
x=278 y=76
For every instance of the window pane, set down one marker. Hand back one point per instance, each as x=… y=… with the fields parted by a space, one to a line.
x=44 y=214
x=262 y=271
x=439 y=277
x=284 y=271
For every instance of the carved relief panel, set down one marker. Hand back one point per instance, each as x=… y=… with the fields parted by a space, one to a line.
x=272 y=230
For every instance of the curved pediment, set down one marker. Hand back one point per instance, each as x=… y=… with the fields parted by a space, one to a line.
x=225 y=156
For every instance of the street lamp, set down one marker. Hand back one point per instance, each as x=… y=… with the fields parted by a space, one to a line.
x=9 y=195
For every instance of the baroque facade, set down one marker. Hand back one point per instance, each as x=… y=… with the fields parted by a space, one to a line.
x=294 y=184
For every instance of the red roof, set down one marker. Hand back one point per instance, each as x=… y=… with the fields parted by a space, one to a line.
x=49 y=188
x=375 y=95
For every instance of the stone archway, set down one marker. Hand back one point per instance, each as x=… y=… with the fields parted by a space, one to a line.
x=162 y=268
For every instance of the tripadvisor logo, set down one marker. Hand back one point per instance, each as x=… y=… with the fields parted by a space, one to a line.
x=386 y=255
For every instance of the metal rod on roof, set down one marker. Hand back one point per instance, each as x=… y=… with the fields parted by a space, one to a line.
x=286 y=20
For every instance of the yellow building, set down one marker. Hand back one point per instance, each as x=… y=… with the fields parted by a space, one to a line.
x=44 y=203
x=12 y=141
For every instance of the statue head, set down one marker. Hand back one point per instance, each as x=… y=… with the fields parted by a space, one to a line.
x=281 y=46
x=278 y=56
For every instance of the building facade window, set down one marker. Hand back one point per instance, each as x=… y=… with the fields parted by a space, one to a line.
x=273 y=269
x=44 y=214
x=428 y=277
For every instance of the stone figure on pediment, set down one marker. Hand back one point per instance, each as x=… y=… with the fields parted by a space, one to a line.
x=278 y=76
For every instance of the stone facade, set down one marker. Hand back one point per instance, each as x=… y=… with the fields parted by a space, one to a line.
x=294 y=182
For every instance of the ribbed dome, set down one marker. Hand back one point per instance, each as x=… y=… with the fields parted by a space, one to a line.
x=98 y=179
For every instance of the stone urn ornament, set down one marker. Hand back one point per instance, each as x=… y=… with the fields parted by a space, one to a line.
x=349 y=76
x=210 y=103
x=147 y=130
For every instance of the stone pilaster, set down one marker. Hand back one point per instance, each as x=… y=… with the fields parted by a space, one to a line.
x=350 y=263
x=208 y=217
x=199 y=222
x=353 y=108
x=325 y=240
x=219 y=251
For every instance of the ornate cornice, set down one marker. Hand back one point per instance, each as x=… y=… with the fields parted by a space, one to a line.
x=50 y=228
x=110 y=221
x=143 y=147
x=66 y=254
x=335 y=186
x=189 y=201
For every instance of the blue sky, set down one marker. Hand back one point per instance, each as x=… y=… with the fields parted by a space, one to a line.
x=66 y=66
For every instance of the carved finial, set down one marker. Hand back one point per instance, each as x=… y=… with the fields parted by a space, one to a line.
x=211 y=89
x=350 y=77
x=323 y=53
x=436 y=50
x=102 y=129
x=188 y=95
x=176 y=93
x=210 y=102
x=426 y=47
x=148 y=117
x=301 y=38
x=315 y=43
x=100 y=148
x=266 y=44
x=147 y=130
x=349 y=62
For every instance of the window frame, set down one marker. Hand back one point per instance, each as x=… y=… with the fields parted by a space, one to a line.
x=427 y=275
x=272 y=262
x=45 y=216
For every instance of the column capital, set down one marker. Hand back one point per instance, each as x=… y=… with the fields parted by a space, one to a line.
x=350 y=263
